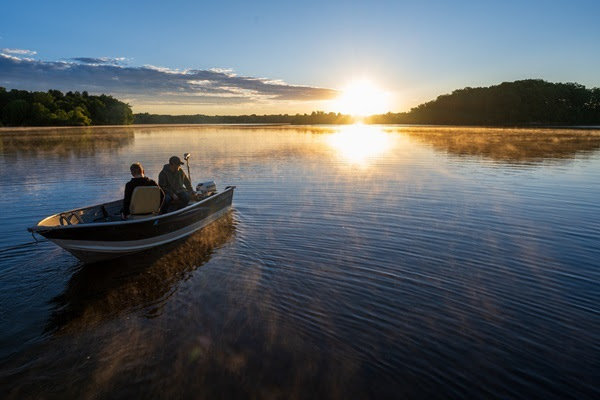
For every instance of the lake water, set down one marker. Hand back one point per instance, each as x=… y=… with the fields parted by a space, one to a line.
x=357 y=262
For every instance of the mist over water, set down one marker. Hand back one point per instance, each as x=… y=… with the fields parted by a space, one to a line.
x=357 y=262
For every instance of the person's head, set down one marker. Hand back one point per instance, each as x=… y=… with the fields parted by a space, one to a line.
x=174 y=163
x=137 y=169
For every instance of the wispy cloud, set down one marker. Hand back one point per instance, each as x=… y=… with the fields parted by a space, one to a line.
x=150 y=84
x=21 y=52
x=100 y=60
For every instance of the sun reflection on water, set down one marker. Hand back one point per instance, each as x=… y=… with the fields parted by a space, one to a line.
x=360 y=144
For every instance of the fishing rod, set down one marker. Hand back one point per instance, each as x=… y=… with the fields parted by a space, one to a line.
x=186 y=157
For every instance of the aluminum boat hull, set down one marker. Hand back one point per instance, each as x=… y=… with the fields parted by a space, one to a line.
x=109 y=238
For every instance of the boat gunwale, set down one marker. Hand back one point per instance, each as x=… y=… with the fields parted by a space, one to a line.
x=38 y=228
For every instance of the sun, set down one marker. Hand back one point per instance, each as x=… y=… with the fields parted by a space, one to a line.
x=362 y=98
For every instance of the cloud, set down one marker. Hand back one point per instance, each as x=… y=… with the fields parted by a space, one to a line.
x=19 y=52
x=150 y=84
x=100 y=60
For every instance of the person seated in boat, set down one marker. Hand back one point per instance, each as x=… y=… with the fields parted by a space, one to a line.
x=176 y=185
x=139 y=179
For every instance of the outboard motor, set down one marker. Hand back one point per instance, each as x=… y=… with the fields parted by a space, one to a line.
x=205 y=189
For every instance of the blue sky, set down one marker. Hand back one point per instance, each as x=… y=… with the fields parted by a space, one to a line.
x=281 y=56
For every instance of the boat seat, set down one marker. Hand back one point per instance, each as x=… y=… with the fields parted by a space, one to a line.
x=145 y=202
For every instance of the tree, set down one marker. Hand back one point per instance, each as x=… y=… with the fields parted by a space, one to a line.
x=78 y=117
x=15 y=112
x=19 y=107
x=40 y=115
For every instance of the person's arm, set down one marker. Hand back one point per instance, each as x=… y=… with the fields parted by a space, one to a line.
x=187 y=183
x=127 y=199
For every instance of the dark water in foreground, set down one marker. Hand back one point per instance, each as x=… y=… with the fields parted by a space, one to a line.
x=357 y=262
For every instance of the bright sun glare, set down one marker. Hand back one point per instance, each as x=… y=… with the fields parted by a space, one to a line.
x=362 y=98
x=360 y=144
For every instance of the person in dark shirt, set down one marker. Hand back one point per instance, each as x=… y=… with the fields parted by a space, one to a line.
x=137 y=171
x=176 y=185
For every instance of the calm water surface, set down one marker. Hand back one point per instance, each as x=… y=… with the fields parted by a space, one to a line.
x=357 y=262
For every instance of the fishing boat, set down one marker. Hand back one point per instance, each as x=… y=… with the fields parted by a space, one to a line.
x=98 y=233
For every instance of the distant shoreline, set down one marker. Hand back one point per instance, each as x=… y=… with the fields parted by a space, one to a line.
x=129 y=126
x=99 y=128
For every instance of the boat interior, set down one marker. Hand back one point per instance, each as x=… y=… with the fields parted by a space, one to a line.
x=145 y=203
x=99 y=213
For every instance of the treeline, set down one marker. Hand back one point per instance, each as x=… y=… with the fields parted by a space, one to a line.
x=525 y=102
x=53 y=108
x=316 y=117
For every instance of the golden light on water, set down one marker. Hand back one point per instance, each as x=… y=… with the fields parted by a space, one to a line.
x=360 y=144
x=362 y=98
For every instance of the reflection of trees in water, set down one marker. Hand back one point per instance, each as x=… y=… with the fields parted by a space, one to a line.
x=141 y=282
x=65 y=142
x=508 y=145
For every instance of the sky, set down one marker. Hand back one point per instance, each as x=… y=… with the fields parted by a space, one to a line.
x=271 y=57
